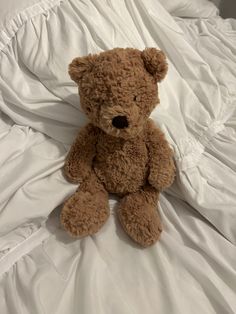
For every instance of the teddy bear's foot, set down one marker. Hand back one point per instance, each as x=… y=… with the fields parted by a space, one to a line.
x=139 y=217
x=84 y=213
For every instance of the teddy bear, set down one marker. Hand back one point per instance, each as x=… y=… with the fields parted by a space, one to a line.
x=120 y=151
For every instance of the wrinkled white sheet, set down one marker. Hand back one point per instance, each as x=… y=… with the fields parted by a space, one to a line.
x=190 y=8
x=42 y=270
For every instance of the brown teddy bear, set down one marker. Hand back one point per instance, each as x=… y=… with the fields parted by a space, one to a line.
x=120 y=151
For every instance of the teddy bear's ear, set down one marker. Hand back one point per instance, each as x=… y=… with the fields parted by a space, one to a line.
x=79 y=66
x=155 y=63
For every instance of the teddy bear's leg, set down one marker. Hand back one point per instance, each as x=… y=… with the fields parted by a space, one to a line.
x=139 y=216
x=85 y=212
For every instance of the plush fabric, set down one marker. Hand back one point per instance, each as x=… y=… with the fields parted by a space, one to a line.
x=120 y=151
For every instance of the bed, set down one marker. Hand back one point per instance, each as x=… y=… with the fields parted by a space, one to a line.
x=193 y=267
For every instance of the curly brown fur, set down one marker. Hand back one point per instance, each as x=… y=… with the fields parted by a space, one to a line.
x=139 y=217
x=117 y=83
x=155 y=63
x=133 y=158
x=87 y=210
x=78 y=165
x=161 y=164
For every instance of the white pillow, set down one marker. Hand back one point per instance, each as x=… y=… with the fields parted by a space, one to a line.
x=190 y=8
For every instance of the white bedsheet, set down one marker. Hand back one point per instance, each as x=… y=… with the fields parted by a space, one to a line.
x=42 y=270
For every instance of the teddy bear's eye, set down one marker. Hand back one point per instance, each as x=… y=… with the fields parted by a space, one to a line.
x=135 y=98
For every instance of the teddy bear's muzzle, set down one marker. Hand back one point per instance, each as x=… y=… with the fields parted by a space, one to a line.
x=120 y=122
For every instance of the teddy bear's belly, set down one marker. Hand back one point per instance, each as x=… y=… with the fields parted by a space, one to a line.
x=122 y=168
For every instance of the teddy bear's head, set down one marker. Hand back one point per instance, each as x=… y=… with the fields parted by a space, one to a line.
x=118 y=88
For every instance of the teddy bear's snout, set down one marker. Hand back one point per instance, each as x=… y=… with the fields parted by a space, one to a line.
x=120 y=122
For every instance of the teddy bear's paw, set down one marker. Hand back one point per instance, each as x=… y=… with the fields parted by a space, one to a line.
x=84 y=213
x=162 y=179
x=140 y=220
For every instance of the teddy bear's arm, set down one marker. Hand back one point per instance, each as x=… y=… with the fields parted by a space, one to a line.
x=161 y=164
x=78 y=164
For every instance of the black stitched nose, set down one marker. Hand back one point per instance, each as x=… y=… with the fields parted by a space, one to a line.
x=120 y=122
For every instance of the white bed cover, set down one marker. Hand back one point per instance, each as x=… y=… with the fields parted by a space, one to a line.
x=193 y=267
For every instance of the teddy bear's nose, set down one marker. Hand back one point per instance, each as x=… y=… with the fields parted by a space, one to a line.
x=120 y=122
